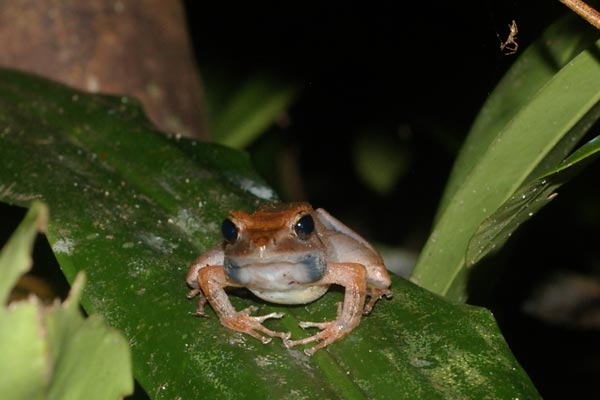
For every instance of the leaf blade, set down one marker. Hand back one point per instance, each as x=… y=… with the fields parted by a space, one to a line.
x=135 y=233
x=239 y=114
x=563 y=108
x=495 y=230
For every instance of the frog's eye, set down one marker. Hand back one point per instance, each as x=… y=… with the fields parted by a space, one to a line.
x=304 y=227
x=230 y=231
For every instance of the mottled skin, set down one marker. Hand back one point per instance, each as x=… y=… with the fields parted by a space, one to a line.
x=273 y=259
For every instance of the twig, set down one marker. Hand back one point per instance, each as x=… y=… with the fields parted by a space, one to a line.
x=584 y=11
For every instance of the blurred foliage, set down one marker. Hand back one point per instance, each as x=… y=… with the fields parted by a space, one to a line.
x=53 y=352
x=240 y=110
x=380 y=160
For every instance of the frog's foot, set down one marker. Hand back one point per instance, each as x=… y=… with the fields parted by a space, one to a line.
x=243 y=322
x=330 y=332
x=375 y=294
x=201 y=301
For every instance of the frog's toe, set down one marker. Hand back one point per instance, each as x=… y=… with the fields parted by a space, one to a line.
x=262 y=318
x=271 y=334
x=254 y=333
x=320 y=325
x=257 y=325
x=375 y=294
x=200 y=308
x=199 y=313
x=324 y=326
x=264 y=339
x=248 y=310
x=252 y=325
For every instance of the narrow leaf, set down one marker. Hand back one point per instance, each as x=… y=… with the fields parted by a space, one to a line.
x=544 y=127
x=497 y=228
x=241 y=113
x=557 y=46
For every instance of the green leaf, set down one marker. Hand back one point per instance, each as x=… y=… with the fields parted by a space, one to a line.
x=525 y=203
x=523 y=130
x=242 y=111
x=20 y=345
x=133 y=209
x=42 y=346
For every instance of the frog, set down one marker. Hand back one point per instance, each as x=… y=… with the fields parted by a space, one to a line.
x=289 y=253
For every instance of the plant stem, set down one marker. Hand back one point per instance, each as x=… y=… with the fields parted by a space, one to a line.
x=584 y=11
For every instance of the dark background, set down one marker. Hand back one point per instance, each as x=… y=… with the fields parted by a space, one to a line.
x=374 y=69
x=416 y=72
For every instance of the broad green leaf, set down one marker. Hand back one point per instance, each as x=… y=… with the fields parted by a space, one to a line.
x=499 y=159
x=497 y=228
x=133 y=209
x=240 y=111
x=42 y=346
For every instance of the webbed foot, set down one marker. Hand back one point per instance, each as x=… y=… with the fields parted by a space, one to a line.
x=330 y=332
x=243 y=322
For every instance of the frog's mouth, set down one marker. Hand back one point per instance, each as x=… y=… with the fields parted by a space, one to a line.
x=276 y=275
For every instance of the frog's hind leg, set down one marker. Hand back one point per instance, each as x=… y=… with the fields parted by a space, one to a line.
x=374 y=294
x=201 y=301
x=201 y=304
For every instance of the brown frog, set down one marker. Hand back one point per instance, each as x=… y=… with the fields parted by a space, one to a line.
x=289 y=254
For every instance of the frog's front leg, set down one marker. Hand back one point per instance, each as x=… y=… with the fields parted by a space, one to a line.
x=353 y=277
x=212 y=282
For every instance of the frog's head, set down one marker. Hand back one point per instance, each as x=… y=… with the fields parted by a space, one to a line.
x=275 y=248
